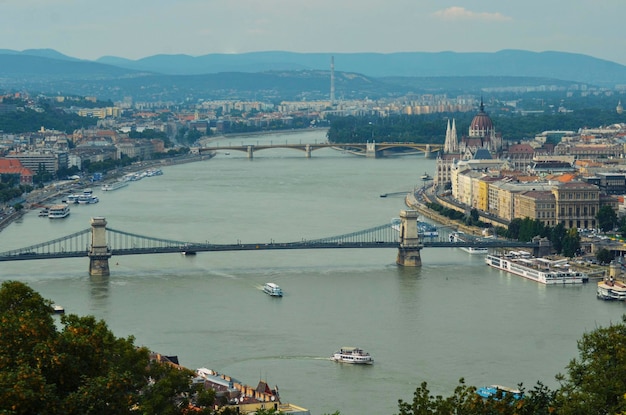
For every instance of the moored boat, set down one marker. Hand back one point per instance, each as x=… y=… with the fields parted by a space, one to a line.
x=58 y=211
x=272 y=289
x=460 y=236
x=611 y=290
x=354 y=355
x=498 y=391
x=541 y=270
x=108 y=187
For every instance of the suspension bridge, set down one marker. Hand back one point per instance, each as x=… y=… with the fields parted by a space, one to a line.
x=99 y=243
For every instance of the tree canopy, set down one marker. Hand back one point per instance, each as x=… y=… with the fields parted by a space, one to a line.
x=81 y=368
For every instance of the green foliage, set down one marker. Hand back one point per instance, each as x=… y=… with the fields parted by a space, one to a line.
x=557 y=236
x=571 y=243
x=51 y=118
x=596 y=381
x=607 y=218
x=81 y=369
x=465 y=400
x=604 y=256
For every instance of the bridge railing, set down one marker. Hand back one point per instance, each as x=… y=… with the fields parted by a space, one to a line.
x=77 y=242
x=120 y=240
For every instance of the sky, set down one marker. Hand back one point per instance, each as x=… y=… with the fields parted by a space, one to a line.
x=133 y=29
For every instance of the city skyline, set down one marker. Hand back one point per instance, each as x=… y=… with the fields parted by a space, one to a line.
x=133 y=30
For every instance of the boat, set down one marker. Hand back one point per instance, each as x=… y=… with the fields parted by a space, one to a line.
x=541 y=270
x=424 y=229
x=272 y=289
x=87 y=199
x=611 y=290
x=352 y=355
x=58 y=211
x=498 y=391
x=460 y=236
x=58 y=309
x=108 y=187
x=44 y=212
x=73 y=198
x=427 y=230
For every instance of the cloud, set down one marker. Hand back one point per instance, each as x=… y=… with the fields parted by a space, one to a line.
x=460 y=13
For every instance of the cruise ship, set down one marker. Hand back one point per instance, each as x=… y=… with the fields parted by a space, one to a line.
x=540 y=270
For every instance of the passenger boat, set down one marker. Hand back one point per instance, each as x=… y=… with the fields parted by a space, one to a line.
x=272 y=289
x=424 y=229
x=611 y=290
x=58 y=211
x=459 y=236
x=540 y=270
x=352 y=355
x=108 y=187
x=44 y=212
x=87 y=199
x=497 y=391
x=58 y=309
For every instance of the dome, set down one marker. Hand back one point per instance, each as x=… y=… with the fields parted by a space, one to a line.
x=481 y=125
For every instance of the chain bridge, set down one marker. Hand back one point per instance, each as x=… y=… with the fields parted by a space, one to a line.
x=100 y=242
x=370 y=149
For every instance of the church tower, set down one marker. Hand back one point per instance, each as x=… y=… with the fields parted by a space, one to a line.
x=451 y=144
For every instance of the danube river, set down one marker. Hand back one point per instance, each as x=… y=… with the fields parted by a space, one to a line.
x=454 y=317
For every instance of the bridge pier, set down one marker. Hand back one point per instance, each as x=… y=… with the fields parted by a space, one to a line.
x=99 y=252
x=370 y=150
x=307 y=151
x=250 y=152
x=410 y=246
x=427 y=152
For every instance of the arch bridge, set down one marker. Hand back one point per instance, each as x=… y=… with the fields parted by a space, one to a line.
x=370 y=149
x=99 y=243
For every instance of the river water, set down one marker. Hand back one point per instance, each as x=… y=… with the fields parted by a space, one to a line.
x=454 y=317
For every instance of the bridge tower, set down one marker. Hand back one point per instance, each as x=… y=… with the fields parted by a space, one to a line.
x=410 y=246
x=427 y=152
x=99 y=252
x=370 y=150
x=307 y=151
x=250 y=152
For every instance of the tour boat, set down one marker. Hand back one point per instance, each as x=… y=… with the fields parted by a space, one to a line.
x=611 y=290
x=540 y=270
x=424 y=229
x=44 y=212
x=273 y=289
x=107 y=187
x=87 y=199
x=459 y=236
x=352 y=355
x=58 y=211
x=58 y=309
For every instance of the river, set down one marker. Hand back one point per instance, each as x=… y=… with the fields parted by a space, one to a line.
x=452 y=318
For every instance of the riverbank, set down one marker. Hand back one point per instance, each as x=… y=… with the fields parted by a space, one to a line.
x=53 y=191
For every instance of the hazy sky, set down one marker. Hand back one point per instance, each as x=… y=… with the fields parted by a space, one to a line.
x=134 y=29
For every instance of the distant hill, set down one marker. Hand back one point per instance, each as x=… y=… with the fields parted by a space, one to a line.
x=514 y=63
x=279 y=76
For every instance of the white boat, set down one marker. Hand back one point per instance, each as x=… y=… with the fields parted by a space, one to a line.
x=44 y=212
x=58 y=309
x=541 y=270
x=352 y=355
x=87 y=199
x=611 y=290
x=58 y=211
x=272 y=289
x=108 y=187
x=424 y=229
x=459 y=236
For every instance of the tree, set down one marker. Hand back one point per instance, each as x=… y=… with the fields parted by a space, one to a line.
x=556 y=237
x=596 y=381
x=607 y=218
x=604 y=256
x=81 y=369
x=571 y=243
